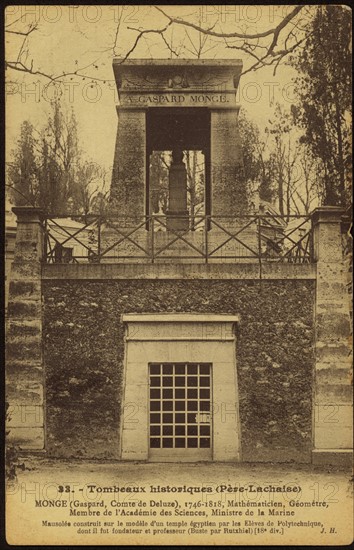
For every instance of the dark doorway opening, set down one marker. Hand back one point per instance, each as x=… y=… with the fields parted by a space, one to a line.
x=187 y=129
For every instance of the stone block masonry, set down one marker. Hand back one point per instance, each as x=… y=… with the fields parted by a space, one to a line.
x=128 y=174
x=84 y=352
x=184 y=90
x=226 y=165
x=66 y=343
x=333 y=406
x=24 y=368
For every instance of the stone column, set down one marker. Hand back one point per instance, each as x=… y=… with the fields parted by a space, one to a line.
x=333 y=391
x=24 y=365
x=228 y=192
x=177 y=214
x=129 y=171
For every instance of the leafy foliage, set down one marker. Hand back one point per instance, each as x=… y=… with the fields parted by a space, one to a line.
x=48 y=169
x=257 y=167
x=24 y=171
x=278 y=166
x=324 y=91
x=158 y=182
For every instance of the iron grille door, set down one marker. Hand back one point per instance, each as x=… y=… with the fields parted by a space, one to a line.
x=180 y=411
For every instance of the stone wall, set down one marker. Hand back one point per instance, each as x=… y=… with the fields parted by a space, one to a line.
x=24 y=368
x=333 y=388
x=84 y=353
x=226 y=166
x=128 y=178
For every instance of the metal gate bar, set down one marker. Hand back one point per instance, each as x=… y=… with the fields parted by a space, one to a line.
x=180 y=402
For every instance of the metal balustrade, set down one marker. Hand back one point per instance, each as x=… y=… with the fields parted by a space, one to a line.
x=108 y=239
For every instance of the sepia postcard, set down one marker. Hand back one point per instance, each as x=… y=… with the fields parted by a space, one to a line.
x=178 y=275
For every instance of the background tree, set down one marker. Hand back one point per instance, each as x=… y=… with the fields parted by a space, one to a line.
x=88 y=190
x=257 y=166
x=309 y=192
x=24 y=169
x=100 y=203
x=60 y=155
x=324 y=91
x=315 y=38
x=278 y=166
x=284 y=155
x=159 y=166
x=195 y=167
x=48 y=170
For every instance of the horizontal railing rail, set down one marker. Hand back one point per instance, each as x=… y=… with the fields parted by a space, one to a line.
x=157 y=238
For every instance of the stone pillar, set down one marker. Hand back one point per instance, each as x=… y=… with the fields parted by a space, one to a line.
x=227 y=189
x=177 y=214
x=24 y=365
x=333 y=390
x=129 y=171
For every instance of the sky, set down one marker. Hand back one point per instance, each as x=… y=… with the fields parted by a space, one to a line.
x=81 y=38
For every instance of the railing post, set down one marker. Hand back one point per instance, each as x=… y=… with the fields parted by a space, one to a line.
x=152 y=225
x=312 y=240
x=206 y=242
x=259 y=247
x=332 y=442
x=99 y=239
x=25 y=379
x=45 y=240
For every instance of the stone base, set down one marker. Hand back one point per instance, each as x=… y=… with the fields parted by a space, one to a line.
x=177 y=221
x=342 y=458
x=32 y=454
x=185 y=337
x=27 y=438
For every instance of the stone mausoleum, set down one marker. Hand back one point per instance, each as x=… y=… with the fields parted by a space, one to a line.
x=219 y=338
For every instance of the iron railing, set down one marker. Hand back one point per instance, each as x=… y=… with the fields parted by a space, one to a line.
x=249 y=238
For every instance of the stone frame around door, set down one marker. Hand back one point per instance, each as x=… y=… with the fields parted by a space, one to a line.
x=197 y=338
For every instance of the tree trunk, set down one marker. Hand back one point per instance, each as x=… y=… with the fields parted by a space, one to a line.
x=341 y=167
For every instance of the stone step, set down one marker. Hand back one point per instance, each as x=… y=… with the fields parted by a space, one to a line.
x=27 y=437
x=336 y=393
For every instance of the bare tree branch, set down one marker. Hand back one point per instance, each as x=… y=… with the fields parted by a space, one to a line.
x=274 y=31
x=140 y=35
x=263 y=54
